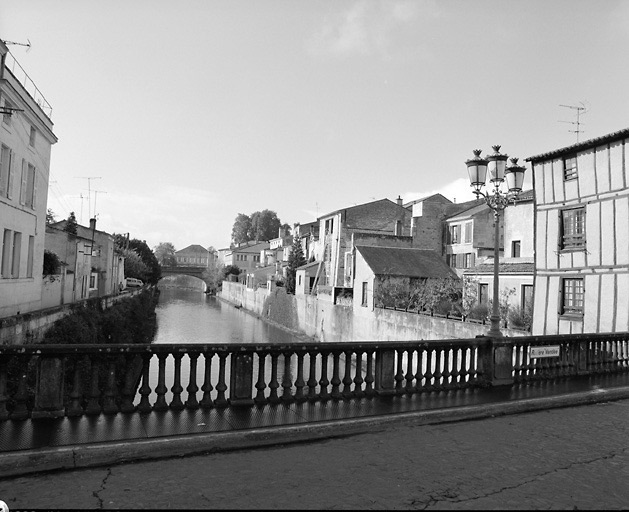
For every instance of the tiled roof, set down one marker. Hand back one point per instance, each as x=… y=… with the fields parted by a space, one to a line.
x=580 y=146
x=503 y=268
x=395 y=261
x=192 y=248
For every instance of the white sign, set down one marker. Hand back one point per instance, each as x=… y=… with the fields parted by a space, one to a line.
x=547 y=351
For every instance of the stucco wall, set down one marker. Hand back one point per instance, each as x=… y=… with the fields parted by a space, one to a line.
x=327 y=322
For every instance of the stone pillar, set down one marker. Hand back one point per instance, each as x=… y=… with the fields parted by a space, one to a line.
x=495 y=361
x=385 y=372
x=241 y=379
x=49 y=388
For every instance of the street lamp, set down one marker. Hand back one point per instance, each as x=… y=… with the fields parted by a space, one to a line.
x=497 y=200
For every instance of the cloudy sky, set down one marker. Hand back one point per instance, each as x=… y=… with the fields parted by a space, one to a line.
x=185 y=113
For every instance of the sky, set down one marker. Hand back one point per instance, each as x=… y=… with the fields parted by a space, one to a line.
x=173 y=117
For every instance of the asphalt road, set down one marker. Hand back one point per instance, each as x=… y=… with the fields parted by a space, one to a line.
x=569 y=458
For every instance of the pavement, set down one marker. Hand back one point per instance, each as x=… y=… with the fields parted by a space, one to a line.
x=561 y=445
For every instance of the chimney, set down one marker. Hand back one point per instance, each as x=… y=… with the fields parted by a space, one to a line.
x=92 y=224
x=399 y=200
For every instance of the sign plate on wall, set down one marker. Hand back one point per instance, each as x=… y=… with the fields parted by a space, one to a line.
x=547 y=351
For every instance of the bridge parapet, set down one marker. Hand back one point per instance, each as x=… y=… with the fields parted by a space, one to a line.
x=72 y=380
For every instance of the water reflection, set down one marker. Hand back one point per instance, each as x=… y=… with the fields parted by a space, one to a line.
x=188 y=316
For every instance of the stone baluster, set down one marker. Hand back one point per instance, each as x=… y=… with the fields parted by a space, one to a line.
x=347 y=377
x=206 y=401
x=323 y=381
x=446 y=369
x=336 y=379
x=358 y=378
x=145 y=389
x=438 y=374
x=192 y=388
x=161 y=389
x=20 y=411
x=261 y=384
x=428 y=372
x=409 y=370
x=93 y=403
x=399 y=374
x=111 y=391
x=369 y=376
x=177 y=388
x=454 y=374
x=221 y=385
x=418 y=370
x=299 y=382
x=130 y=381
x=274 y=384
x=4 y=413
x=74 y=408
x=287 y=383
x=312 y=376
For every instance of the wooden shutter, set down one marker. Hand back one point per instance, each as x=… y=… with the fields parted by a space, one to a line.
x=34 y=205
x=24 y=179
x=11 y=176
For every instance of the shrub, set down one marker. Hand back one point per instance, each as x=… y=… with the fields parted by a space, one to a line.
x=479 y=312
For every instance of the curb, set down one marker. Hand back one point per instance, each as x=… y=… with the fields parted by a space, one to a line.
x=24 y=462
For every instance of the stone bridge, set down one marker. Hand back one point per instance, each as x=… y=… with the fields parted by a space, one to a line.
x=183 y=270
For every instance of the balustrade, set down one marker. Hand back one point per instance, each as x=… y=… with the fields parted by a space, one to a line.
x=54 y=380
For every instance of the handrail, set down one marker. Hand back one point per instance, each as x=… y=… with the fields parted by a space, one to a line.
x=21 y=76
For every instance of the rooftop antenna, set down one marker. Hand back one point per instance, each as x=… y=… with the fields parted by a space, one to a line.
x=28 y=45
x=89 y=193
x=580 y=109
x=95 y=196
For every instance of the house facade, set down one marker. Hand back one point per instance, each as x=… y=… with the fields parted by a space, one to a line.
x=26 y=138
x=246 y=256
x=382 y=222
x=516 y=265
x=405 y=266
x=194 y=256
x=582 y=237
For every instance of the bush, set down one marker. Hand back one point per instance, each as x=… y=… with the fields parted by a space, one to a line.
x=521 y=319
x=479 y=312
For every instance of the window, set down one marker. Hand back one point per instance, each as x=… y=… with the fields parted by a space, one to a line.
x=31 y=138
x=364 y=299
x=17 y=250
x=31 y=251
x=572 y=296
x=6 y=118
x=455 y=234
x=570 y=168
x=5 y=264
x=5 y=171
x=573 y=229
x=483 y=293
x=515 y=249
x=527 y=296
x=451 y=260
x=468 y=233
x=468 y=260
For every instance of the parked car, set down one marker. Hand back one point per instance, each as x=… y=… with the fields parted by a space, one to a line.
x=132 y=282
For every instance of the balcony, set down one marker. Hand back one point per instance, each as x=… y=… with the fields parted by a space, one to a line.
x=13 y=66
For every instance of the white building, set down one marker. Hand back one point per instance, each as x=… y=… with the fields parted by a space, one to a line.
x=26 y=138
x=582 y=237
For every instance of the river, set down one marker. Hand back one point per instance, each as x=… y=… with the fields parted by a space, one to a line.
x=190 y=316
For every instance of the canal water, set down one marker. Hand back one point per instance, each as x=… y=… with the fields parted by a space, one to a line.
x=191 y=316
x=186 y=315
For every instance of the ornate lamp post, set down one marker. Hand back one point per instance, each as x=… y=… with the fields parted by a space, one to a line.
x=497 y=200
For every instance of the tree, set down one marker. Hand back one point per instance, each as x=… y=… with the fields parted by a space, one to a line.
x=71 y=224
x=153 y=269
x=230 y=269
x=242 y=229
x=134 y=266
x=213 y=276
x=50 y=216
x=165 y=254
x=296 y=259
x=265 y=225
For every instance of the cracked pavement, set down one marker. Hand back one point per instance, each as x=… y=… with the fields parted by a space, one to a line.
x=570 y=458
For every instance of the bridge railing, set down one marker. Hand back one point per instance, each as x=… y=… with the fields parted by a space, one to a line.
x=41 y=381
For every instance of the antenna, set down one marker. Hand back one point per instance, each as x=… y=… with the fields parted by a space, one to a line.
x=89 y=194
x=28 y=45
x=580 y=110
x=95 y=196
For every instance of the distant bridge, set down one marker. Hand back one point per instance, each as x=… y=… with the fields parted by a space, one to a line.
x=181 y=270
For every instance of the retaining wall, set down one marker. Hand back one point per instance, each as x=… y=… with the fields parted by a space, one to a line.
x=324 y=321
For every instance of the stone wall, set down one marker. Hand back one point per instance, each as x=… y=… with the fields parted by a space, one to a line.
x=328 y=322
